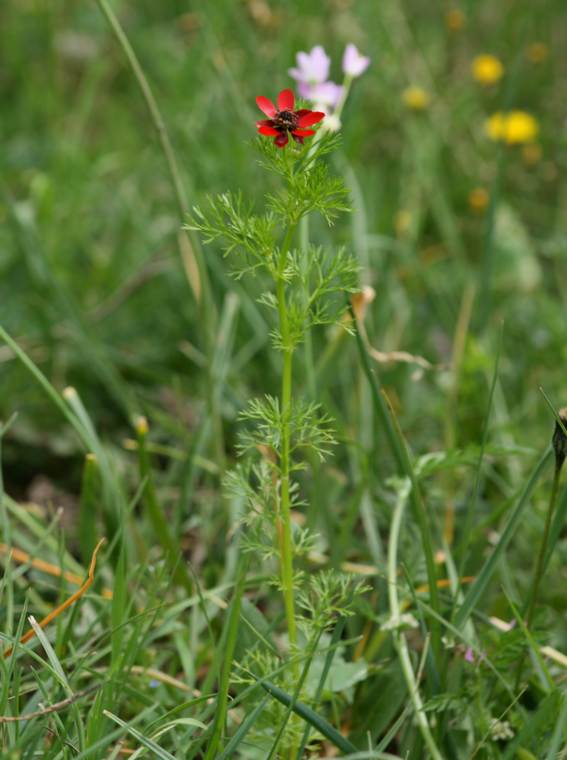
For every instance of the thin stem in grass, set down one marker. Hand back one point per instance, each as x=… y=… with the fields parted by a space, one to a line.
x=337 y=633
x=151 y=104
x=400 y=642
x=283 y=517
x=189 y=246
x=559 y=444
x=491 y=563
x=295 y=697
x=473 y=500
x=308 y=342
x=163 y=135
x=538 y=573
x=233 y=624
x=399 y=450
x=156 y=515
x=4 y=519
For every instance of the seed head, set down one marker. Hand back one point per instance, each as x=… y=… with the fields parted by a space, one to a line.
x=141 y=425
x=559 y=440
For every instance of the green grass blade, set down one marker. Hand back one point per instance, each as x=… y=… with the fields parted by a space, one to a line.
x=533 y=726
x=336 y=637
x=483 y=578
x=405 y=469
x=559 y=737
x=532 y=644
x=311 y=717
x=227 y=652
x=556 y=527
x=162 y=754
x=54 y=396
x=473 y=501
x=156 y=515
x=243 y=729
x=87 y=508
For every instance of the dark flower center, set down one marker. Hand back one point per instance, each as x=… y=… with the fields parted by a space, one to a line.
x=286 y=120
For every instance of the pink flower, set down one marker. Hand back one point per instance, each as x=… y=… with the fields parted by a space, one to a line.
x=354 y=64
x=325 y=94
x=312 y=67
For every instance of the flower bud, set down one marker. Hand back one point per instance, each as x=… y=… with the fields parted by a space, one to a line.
x=141 y=425
x=559 y=440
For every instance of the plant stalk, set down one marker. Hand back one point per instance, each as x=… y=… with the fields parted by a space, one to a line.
x=398 y=636
x=540 y=564
x=202 y=290
x=539 y=571
x=283 y=516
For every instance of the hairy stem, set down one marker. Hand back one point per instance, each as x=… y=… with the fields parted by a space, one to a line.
x=283 y=516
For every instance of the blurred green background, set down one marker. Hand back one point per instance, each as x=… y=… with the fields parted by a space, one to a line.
x=92 y=283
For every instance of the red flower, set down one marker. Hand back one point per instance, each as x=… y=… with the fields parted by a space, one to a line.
x=284 y=119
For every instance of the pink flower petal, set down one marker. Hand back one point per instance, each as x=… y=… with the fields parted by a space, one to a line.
x=312 y=67
x=310 y=118
x=286 y=100
x=266 y=105
x=327 y=93
x=305 y=90
x=354 y=64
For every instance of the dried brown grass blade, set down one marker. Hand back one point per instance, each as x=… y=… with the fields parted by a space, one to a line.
x=67 y=603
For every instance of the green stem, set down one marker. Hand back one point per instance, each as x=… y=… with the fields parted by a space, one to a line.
x=283 y=518
x=540 y=565
x=397 y=445
x=543 y=548
x=347 y=82
x=157 y=517
x=229 y=642
x=307 y=340
x=202 y=291
x=400 y=642
x=151 y=104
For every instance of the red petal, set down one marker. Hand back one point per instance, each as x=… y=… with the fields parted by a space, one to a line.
x=281 y=140
x=303 y=132
x=310 y=118
x=265 y=123
x=268 y=131
x=286 y=100
x=266 y=105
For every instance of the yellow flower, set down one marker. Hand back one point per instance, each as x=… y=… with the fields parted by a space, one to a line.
x=495 y=126
x=415 y=98
x=478 y=199
x=537 y=52
x=514 y=127
x=487 y=69
x=455 y=19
